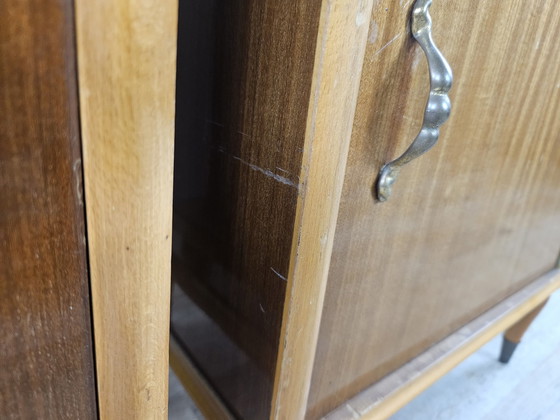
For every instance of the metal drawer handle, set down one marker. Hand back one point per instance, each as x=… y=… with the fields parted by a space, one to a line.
x=438 y=107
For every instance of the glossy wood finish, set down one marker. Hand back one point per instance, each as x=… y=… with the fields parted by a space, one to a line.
x=126 y=58
x=46 y=356
x=243 y=86
x=470 y=222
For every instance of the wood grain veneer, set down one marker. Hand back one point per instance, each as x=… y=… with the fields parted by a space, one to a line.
x=470 y=222
x=384 y=398
x=243 y=86
x=126 y=62
x=46 y=360
x=267 y=95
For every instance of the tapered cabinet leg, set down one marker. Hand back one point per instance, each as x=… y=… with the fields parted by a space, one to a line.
x=514 y=334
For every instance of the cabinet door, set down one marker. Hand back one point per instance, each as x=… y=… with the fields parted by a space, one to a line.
x=471 y=221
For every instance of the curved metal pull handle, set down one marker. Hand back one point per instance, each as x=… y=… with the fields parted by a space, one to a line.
x=438 y=107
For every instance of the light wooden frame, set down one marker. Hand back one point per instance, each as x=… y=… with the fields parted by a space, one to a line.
x=126 y=70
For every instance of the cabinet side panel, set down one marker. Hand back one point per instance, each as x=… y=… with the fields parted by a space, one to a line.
x=471 y=221
x=243 y=86
x=46 y=360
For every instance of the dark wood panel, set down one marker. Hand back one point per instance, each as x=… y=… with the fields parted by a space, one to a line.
x=243 y=86
x=470 y=222
x=46 y=354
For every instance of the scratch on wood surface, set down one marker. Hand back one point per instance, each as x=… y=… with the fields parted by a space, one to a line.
x=405 y=3
x=387 y=44
x=214 y=123
x=278 y=274
x=268 y=173
x=77 y=169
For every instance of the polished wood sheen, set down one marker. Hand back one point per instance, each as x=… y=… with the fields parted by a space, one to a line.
x=470 y=222
x=46 y=356
x=126 y=63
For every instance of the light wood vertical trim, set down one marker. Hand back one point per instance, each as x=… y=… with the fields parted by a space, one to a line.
x=202 y=393
x=341 y=42
x=126 y=68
